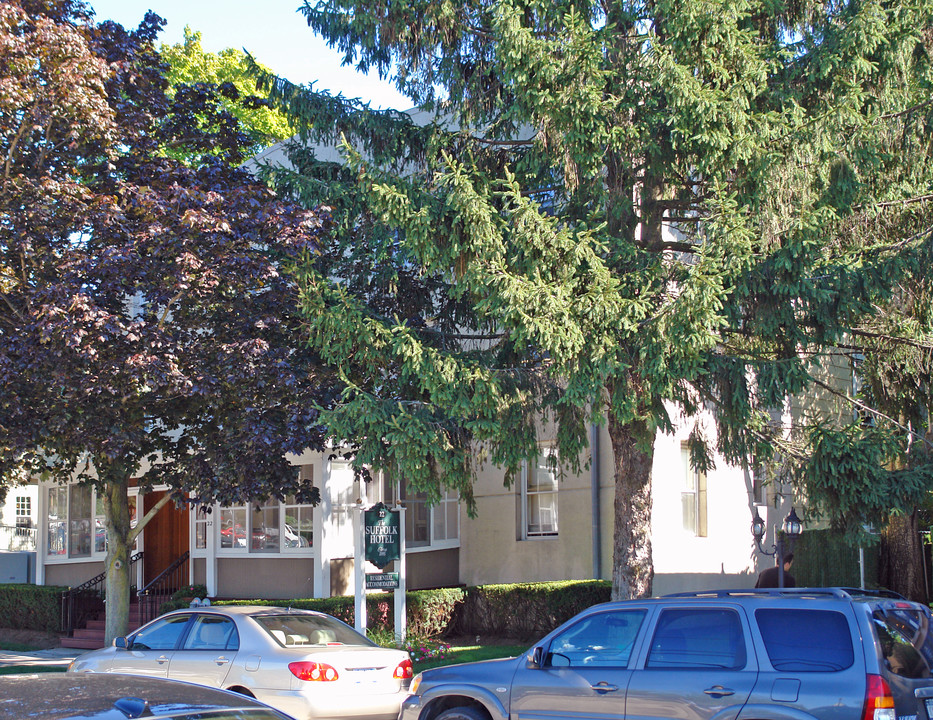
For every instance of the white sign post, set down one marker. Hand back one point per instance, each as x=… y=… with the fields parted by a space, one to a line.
x=362 y=581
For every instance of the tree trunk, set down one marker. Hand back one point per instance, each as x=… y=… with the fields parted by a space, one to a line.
x=632 y=564
x=902 y=560
x=117 y=564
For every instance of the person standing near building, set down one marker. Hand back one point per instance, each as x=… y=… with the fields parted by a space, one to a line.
x=770 y=578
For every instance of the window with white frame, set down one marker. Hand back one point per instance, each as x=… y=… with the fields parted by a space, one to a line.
x=76 y=522
x=692 y=496
x=23 y=510
x=538 y=489
x=268 y=526
x=202 y=524
x=426 y=526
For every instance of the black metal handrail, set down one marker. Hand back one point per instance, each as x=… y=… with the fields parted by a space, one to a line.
x=83 y=601
x=162 y=587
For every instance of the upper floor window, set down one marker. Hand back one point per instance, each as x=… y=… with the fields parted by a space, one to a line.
x=538 y=489
x=693 y=496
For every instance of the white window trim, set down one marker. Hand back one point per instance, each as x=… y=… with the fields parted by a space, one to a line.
x=525 y=495
x=246 y=552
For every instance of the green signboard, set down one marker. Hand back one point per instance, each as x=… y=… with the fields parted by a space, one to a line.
x=381 y=529
x=382 y=581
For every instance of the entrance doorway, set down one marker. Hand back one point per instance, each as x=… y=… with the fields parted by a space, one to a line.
x=166 y=536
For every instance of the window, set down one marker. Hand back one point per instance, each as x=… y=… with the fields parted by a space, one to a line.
x=906 y=643
x=425 y=525
x=201 y=524
x=100 y=526
x=23 y=511
x=268 y=527
x=212 y=632
x=416 y=516
x=697 y=638
x=692 y=496
x=806 y=640
x=265 y=527
x=79 y=521
x=602 y=640
x=57 y=521
x=161 y=635
x=233 y=527
x=299 y=524
x=539 y=496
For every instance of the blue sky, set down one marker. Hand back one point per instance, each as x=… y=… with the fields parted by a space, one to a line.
x=273 y=31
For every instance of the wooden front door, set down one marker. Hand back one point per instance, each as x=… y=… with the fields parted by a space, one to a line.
x=166 y=535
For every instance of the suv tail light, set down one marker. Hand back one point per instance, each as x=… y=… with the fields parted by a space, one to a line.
x=315 y=671
x=879 y=702
x=403 y=671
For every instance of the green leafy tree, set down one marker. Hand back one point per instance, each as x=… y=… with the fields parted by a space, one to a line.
x=190 y=64
x=148 y=332
x=621 y=208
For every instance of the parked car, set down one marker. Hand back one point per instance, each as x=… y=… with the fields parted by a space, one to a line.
x=60 y=696
x=825 y=654
x=307 y=664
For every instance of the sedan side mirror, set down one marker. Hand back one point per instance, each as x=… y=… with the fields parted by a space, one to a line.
x=120 y=642
x=537 y=657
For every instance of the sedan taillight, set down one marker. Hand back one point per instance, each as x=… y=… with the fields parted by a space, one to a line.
x=308 y=670
x=403 y=671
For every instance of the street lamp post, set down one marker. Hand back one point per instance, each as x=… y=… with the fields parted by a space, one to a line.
x=791 y=531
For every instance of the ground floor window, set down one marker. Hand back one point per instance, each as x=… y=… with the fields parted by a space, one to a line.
x=76 y=522
x=538 y=490
x=426 y=525
x=266 y=527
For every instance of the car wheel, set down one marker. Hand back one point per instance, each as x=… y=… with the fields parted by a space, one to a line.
x=463 y=713
x=241 y=691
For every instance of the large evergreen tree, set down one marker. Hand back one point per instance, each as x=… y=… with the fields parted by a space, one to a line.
x=148 y=332
x=622 y=207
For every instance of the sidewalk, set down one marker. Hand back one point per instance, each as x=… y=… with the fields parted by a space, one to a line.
x=52 y=656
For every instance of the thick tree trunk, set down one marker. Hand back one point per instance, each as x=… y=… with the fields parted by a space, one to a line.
x=902 y=563
x=632 y=564
x=117 y=564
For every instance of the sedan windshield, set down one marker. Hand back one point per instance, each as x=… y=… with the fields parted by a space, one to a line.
x=298 y=630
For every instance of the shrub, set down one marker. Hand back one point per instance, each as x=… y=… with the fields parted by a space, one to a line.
x=31 y=607
x=525 y=611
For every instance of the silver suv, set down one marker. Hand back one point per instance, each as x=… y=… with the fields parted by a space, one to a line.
x=825 y=653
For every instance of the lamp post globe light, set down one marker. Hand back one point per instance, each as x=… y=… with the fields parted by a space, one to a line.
x=792 y=529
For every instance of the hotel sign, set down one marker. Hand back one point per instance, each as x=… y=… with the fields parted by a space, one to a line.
x=381 y=529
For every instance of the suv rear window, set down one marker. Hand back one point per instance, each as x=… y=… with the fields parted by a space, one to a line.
x=697 y=638
x=905 y=641
x=806 y=640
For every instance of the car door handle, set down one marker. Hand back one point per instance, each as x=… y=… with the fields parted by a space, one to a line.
x=602 y=687
x=719 y=691
x=221 y=660
x=162 y=659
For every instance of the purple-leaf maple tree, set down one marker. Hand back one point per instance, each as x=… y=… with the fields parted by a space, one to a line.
x=148 y=333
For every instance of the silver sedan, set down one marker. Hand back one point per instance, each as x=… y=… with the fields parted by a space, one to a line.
x=307 y=664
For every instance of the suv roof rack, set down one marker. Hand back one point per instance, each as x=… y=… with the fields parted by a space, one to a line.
x=836 y=592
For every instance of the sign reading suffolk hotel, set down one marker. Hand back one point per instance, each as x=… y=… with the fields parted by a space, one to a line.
x=381 y=529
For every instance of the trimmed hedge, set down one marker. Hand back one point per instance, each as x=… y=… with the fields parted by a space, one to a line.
x=429 y=612
x=31 y=607
x=525 y=611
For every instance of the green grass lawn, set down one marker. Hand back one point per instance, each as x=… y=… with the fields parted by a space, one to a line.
x=470 y=653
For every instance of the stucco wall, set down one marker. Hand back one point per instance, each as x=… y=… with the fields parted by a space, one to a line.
x=491 y=551
x=270 y=578
x=71 y=574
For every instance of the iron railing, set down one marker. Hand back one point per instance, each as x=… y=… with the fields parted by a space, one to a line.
x=83 y=602
x=162 y=587
x=16 y=538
